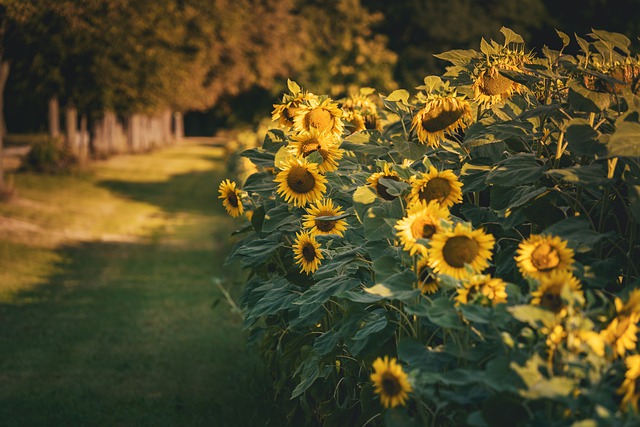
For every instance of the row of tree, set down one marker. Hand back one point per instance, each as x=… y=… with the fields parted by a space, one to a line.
x=94 y=57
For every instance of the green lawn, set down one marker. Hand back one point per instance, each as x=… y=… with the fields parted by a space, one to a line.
x=108 y=313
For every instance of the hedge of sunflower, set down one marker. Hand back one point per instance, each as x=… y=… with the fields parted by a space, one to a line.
x=466 y=254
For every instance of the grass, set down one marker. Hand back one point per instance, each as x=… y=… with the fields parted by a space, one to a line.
x=108 y=314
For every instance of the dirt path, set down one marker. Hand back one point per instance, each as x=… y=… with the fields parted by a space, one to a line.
x=126 y=327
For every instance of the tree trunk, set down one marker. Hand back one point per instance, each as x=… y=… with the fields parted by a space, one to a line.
x=178 y=126
x=4 y=74
x=54 y=117
x=83 y=152
x=71 y=122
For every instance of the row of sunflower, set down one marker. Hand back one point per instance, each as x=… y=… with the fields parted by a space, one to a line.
x=464 y=255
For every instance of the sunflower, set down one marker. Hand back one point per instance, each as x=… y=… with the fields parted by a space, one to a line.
x=231 y=198
x=553 y=288
x=361 y=112
x=326 y=144
x=422 y=222
x=455 y=252
x=300 y=182
x=285 y=112
x=324 y=207
x=483 y=289
x=324 y=116
x=630 y=386
x=426 y=283
x=622 y=334
x=491 y=87
x=374 y=181
x=540 y=255
x=390 y=382
x=441 y=115
x=631 y=306
x=443 y=187
x=306 y=252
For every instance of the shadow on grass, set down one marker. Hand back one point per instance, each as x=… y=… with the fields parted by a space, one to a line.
x=127 y=334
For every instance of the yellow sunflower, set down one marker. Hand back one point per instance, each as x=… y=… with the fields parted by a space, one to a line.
x=491 y=87
x=422 y=222
x=300 y=182
x=455 y=251
x=443 y=187
x=390 y=382
x=324 y=207
x=306 y=252
x=426 y=283
x=285 y=112
x=483 y=289
x=361 y=112
x=231 y=198
x=630 y=389
x=553 y=288
x=631 y=306
x=622 y=334
x=324 y=116
x=441 y=115
x=374 y=181
x=326 y=144
x=540 y=255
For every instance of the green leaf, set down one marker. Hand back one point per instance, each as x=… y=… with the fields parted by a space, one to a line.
x=261 y=183
x=510 y=36
x=441 y=312
x=309 y=373
x=565 y=38
x=364 y=195
x=582 y=139
x=294 y=88
x=399 y=95
x=372 y=323
x=315 y=157
x=512 y=197
x=394 y=188
x=578 y=232
x=279 y=216
x=410 y=149
x=538 y=387
x=533 y=315
x=458 y=56
x=522 y=168
x=583 y=99
x=322 y=291
x=625 y=140
x=634 y=199
x=259 y=157
x=473 y=177
x=589 y=175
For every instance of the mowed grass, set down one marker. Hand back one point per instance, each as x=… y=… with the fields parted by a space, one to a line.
x=108 y=313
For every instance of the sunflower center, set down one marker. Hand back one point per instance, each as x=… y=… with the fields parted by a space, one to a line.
x=495 y=84
x=422 y=229
x=436 y=189
x=309 y=252
x=551 y=300
x=319 y=118
x=370 y=121
x=545 y=257
x=325 y=225
x=382 y=190
x=232 y=199
x=390 y=384
x=300 y=180
x=460 y=250
x=289 y=113
x=439 y=119
x=309 y=146
x=423 y=275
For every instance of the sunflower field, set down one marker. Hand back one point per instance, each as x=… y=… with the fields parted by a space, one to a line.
x=464 y=254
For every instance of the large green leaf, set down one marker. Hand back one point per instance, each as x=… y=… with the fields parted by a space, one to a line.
x=587 y=175
x=625 y=140
x=582 y=139
x=583 y=99
x=512 y=197
x=522 y=168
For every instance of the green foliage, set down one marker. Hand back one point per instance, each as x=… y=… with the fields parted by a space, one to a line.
x=552 y=155
x=49 y=155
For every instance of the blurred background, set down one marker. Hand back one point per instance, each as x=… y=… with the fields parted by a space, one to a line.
x=221 y=63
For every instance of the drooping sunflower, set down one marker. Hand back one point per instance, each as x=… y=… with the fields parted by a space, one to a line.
x=231 y=198
x=422 y=222
x=325 y=144
x=622 y=334
x=426 y=283
x=361 y=112
x=540 y=255
x=390 y=382
x=482 y=289
x=453 y=249
x=630 y=388
x=324 y=116
x=285 y=111
x=300 y=182
x=490 y=87
x=553 y=288
x=439 y=116
x=306 y=250
x=381 y=189
x=324 y=207
x=441 y=186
